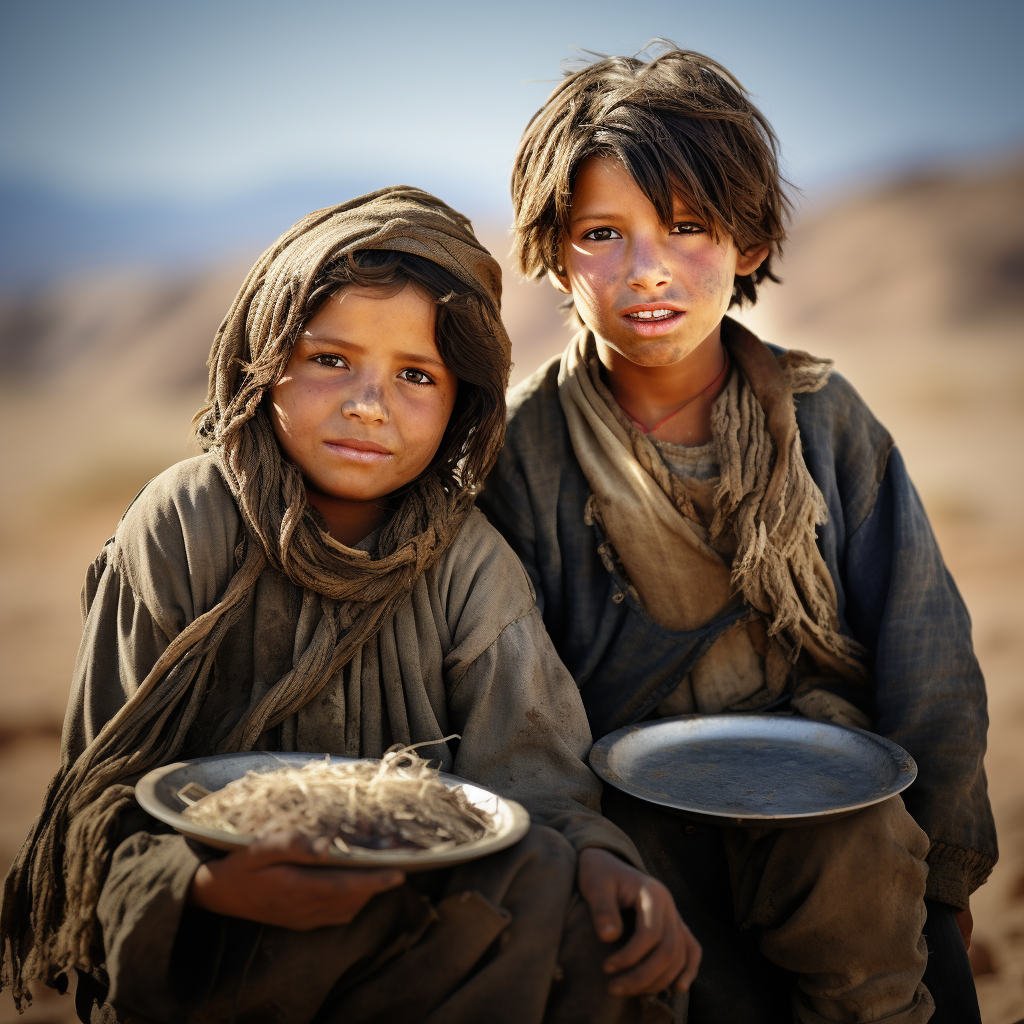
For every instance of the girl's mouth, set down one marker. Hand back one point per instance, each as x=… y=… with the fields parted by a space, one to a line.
x=358 y=450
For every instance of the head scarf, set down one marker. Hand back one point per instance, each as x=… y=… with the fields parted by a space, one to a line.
x=47 y=923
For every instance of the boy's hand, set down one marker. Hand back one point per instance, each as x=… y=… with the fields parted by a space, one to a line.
x=661 y=951
x=282 y=880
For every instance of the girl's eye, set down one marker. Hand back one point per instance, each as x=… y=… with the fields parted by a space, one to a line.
x=329 y=359
x=688 y=227
x=415 y=376
x=602 y=234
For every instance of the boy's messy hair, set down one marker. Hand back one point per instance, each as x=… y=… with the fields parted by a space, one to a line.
x=680 y=124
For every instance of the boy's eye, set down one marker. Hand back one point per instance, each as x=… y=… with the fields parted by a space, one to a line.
x=602 y=234
x=687 y=227
x=331 y=359
x=415 y=376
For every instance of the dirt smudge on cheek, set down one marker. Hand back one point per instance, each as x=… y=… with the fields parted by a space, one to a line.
x=714 y=280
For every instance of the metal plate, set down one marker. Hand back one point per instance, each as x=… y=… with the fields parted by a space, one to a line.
x=755 y=770
x=157 y=793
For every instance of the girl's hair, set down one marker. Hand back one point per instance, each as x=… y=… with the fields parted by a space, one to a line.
x=385 y=239
x=467 y=348
x=681 y=125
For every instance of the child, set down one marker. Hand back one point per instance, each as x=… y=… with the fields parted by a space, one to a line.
x=714 y=525
x=319 y=580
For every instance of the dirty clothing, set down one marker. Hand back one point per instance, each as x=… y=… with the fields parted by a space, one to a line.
x=841 y=906
x=893 y=596
x=466 y=653
x=693 y=551
x=692 y=462
x=836 y=908
x=469 y=944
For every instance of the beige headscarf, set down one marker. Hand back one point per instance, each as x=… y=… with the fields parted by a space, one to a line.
x=47 y=923
x=758 y=547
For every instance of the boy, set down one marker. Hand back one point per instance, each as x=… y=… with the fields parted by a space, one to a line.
x=702 y=542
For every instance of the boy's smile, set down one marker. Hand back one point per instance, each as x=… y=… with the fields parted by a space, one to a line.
x=653 y=318
x=363 y=403
x=650 y=292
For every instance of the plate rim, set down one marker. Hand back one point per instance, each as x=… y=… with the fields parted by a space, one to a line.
x=145 y=795
x=599 y=754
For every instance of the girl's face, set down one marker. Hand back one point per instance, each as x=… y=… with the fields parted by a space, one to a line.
x=363 y=403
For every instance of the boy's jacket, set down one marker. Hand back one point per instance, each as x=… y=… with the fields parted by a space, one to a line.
x=895 y=596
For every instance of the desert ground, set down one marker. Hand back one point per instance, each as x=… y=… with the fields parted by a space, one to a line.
x=914 y=286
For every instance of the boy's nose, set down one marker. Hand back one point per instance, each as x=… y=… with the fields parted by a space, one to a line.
x=367 y=405
x=649 y=270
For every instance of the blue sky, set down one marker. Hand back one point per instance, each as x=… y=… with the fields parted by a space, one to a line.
x=132 y=100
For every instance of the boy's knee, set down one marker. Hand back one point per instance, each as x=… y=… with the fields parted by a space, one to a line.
x=894 y=819
x=882 y=841
x=869 y=865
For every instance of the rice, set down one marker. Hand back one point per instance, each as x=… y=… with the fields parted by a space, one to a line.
x=396 y=803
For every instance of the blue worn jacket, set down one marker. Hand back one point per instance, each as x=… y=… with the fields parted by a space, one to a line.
x=895 y=596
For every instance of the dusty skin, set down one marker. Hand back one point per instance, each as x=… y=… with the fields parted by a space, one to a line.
x=925 y=319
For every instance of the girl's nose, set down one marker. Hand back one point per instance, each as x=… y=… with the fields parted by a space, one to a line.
x=367 y=405
x=649 y=268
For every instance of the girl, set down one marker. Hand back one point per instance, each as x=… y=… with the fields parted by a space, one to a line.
x=318 y=580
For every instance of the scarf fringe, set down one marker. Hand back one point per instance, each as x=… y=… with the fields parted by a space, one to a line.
x=774 y=517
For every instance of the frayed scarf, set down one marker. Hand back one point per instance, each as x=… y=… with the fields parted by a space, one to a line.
x=758 y=547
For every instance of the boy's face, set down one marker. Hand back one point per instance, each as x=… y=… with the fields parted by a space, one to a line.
x=650 y=292
x=365 y=398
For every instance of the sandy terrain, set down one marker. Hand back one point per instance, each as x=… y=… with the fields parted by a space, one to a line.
x=916 y=290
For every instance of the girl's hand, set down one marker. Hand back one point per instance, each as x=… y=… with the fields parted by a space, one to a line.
x=281 y=880
x=662 y=951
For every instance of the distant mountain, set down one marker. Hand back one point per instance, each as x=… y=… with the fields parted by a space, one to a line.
x=46 y=234
x=920 y=252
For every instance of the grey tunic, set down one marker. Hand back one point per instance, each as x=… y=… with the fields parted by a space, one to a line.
x=467 y=653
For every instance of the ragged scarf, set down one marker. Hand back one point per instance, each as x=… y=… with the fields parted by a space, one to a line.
x=47 y=923
x=756 y=546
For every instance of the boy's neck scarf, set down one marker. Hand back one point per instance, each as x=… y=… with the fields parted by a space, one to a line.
x=48 y=919
x=765 y=508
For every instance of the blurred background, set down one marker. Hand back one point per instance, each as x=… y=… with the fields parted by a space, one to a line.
x=150 y=151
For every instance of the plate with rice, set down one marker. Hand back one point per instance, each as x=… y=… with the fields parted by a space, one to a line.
x=398 y=811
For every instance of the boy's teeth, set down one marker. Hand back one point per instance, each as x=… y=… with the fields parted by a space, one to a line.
x=651 y=314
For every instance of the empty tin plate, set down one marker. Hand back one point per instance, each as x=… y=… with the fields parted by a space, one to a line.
x=753 y=770
x=166 y=792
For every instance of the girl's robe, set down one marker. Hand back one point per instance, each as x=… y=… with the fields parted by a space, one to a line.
x=467 y=653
